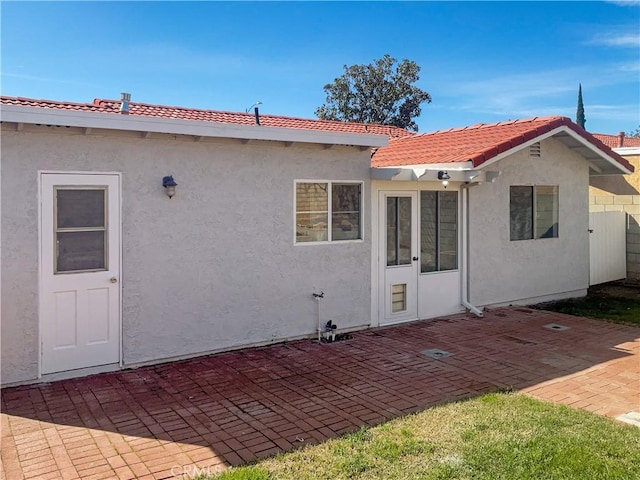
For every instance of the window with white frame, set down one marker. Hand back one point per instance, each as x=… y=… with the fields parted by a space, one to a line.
x=438 y=231
x=328 y=211
x=533 y=212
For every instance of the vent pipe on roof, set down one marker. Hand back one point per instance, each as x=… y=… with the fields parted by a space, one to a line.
x=620 y=139
x=125 y=98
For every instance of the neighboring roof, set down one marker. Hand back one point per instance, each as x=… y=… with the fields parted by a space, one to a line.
x=480 y=143
x=617 y=141
x=233 y=118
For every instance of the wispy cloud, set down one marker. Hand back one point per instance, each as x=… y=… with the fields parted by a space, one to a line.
x=629 y=67
x=617 y=113
x=625 y=3
x=616 y=40
x=552 y=92
x=171 y=58
x=509 y=93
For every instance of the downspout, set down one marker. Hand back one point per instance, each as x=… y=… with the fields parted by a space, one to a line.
x=465 y=261
x=318 y=297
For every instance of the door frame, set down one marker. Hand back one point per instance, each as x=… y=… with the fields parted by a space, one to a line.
x=381 y=265
x=87 y=370
x=378 y=254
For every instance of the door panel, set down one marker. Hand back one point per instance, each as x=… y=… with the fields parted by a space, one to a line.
x=65 y=320
x=80 y=284
x=400 y=244
x=98 y=321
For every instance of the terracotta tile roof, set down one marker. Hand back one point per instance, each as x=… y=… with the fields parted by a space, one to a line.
x=477 y=144
x=161 y=111
x=613 y=141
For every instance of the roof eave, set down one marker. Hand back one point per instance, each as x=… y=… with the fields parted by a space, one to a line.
x=433 y=166
x=429 y=173
x=113 y=121
x=615 y=167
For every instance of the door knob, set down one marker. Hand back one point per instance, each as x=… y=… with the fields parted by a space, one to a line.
x=113 y=280
x=415 y=259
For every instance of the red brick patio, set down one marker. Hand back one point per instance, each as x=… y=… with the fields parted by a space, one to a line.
x=178 y=419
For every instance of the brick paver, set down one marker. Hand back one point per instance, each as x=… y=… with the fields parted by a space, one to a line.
x=180 y=419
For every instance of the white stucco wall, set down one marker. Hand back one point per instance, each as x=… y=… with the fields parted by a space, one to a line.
x=211 y=269
x=504 y=271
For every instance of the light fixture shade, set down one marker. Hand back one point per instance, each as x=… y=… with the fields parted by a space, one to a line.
x=444 y=176
x=170 y=185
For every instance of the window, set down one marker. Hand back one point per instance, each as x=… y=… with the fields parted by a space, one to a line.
x=80 y=229
x=398 y=231
x=438 y=231
x=328 y=211
x=533 y=212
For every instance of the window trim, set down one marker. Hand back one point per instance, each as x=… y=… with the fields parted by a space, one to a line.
x=535 y=211
x=57 y=230
x=330 y=183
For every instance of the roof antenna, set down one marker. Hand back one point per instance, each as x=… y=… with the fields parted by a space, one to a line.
x=254 y=105
x=255 y=111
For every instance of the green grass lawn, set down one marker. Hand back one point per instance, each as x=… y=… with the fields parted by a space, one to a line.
x=495 y=436
x=615 y=303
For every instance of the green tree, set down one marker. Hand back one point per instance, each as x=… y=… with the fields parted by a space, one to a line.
x=580 y=118
x=376 y=93
x=634 y=133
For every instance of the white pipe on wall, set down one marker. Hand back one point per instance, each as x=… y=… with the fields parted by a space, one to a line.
x=464 y=264
x=318 y=297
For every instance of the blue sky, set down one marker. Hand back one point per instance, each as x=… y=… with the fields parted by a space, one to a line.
x=481 y=61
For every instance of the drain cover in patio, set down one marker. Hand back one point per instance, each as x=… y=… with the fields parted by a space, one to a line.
x=436 y=353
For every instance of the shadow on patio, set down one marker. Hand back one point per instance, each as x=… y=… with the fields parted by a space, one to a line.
x=172 y=420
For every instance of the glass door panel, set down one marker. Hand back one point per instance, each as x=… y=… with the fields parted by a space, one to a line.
x=399 y=233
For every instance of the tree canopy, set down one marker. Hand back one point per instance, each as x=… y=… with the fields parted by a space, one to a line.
x=634 y=133
x=376 y=93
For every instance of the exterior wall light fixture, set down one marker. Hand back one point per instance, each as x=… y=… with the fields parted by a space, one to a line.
x=170 y=185
x=444 y=176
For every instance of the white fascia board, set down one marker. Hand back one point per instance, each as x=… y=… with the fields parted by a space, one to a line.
x=114 y=121
x=429 y=174
x=627 y=150
x=595 y=149
x=555 y=131
x=433 y=166
x=392 y=173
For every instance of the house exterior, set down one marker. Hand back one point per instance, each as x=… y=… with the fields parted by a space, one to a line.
x=621 y=193
x=277 y=225
x=519 y=188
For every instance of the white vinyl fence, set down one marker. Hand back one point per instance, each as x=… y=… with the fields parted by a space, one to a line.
x=607 y=247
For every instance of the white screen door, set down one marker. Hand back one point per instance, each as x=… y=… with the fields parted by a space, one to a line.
x=80 y=284
x=399 y=257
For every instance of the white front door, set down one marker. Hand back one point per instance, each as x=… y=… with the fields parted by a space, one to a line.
x=399 y=256
x=80 y=271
